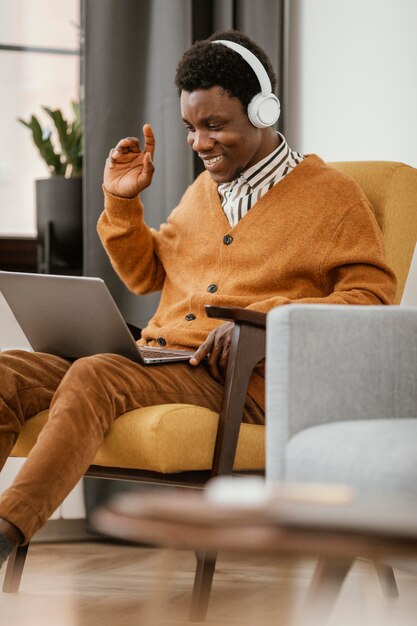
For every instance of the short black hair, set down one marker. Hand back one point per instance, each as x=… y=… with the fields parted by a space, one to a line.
x=204 y=66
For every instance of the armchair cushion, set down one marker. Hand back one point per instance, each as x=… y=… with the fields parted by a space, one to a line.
x=164 y=438
x=377 y=456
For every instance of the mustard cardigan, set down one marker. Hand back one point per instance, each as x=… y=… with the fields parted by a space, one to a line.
x=312 y=238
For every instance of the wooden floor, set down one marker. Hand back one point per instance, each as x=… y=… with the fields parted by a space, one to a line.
x=102 y=584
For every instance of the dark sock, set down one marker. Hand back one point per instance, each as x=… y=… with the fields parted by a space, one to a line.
x=6 y=547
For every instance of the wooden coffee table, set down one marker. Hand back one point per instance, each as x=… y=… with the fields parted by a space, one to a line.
x=337 y=529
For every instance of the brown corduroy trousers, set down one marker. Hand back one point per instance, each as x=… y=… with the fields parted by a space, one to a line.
x=84 y=397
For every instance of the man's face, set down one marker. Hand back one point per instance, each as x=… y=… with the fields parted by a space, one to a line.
x=221 y=133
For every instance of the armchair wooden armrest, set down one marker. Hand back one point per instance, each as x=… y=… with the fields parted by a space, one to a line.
x=237 y=314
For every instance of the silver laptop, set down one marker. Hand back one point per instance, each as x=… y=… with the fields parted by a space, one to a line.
x=74 y=316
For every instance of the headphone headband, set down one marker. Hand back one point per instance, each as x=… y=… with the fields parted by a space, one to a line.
x=253 y=61
x=264 y=108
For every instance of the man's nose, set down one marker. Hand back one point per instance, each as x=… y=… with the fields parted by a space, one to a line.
x=202 y=141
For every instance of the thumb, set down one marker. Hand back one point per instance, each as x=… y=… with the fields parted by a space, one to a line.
x=148 y=165
x=147 y=172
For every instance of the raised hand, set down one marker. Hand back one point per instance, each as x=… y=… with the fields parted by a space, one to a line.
x=128 y=169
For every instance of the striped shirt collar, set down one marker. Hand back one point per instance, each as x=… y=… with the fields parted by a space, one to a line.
x=239 y=195
x=257 y=174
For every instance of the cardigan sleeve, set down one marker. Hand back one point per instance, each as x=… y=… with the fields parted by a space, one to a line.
x=130 y=244
x=352 y=269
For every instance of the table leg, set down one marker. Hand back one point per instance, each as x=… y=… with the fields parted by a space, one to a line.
x=324 y=589
x=206 y=564
x=387 y=580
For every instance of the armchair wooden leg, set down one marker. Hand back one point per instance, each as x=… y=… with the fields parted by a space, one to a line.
x=387 y=580
x=206 y=563
x=14 y=571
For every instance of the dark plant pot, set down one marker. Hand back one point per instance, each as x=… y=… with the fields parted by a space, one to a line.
x=60 y=225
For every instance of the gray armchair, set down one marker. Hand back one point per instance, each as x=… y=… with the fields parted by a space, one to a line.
x=342 y=396
x=341 y=392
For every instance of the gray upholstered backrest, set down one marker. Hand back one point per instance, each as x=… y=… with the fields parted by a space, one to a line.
x=328 y=363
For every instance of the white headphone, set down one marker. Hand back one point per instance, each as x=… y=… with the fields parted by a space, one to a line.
x=264 y=109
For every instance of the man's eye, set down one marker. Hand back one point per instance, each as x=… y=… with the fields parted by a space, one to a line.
x=214 y=126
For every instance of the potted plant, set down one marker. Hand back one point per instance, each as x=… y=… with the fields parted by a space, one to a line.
x=59 y=197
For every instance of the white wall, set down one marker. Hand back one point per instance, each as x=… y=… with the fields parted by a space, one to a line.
x=352 y=68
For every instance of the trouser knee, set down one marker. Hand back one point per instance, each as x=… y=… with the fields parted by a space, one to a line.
x=25 y=389
x=86 y=393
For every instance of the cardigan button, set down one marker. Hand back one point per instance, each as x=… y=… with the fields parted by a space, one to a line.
x=227 y=240
x=212 y=288
x=161 y=341
x=190 y=317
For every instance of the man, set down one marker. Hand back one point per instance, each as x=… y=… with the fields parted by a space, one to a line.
x=263 y=226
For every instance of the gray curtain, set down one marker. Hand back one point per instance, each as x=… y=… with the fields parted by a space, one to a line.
x=130 y=52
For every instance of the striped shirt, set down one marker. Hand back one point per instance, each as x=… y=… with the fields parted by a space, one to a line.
x=238 y=196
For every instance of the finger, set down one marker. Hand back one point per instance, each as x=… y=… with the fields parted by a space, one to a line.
x=128 y=157
x=202 y=351
x=219 y=356
x=149 y=139
x=148 y=170
x=128 y=144
x=109 y=160
x=224 y=358
x=198 y=356
x=114 y=157
x=213 y=364
x=214 y=370
x=214 y=356
x=148 y=165
x=119 y=156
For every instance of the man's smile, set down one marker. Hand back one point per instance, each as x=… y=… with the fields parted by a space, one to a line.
x=211 y=162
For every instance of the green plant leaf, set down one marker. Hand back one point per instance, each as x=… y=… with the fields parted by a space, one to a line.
x=68 y=160
x=42 y=141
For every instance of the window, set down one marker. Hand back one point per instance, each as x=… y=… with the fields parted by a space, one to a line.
x=39 y=65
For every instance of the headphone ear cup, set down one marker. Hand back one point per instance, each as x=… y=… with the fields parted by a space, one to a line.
x=264 y=111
